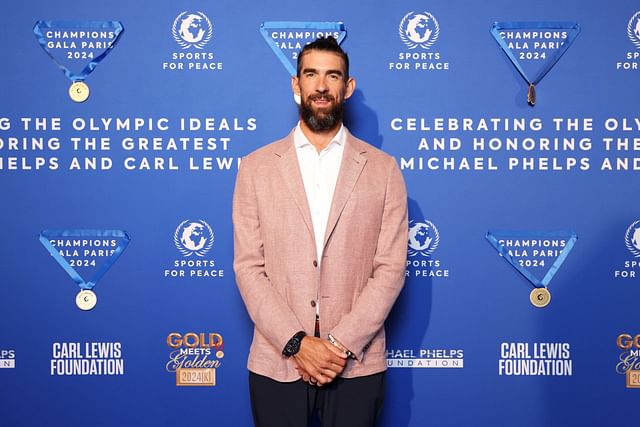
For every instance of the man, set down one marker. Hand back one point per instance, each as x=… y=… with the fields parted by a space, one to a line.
x=320 y=234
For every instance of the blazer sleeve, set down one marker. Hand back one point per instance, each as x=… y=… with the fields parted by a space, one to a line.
x=267 y=308
x=357 y=328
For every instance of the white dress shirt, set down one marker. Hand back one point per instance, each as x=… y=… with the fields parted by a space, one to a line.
x=319 y=175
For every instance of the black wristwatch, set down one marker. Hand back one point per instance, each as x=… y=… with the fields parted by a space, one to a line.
x=293 y=345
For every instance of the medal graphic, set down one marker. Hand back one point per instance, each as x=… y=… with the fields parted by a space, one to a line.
x=79 y=91
x=93 y=249
x=540 y=297
x=534 y=47
x=86 y=299
x=77 y=47
x=534 y=254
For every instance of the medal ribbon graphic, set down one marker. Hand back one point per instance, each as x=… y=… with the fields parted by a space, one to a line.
x=494 y=236
x=47 y=235
x=295 y=25
x=573 y=31
x=40 y=28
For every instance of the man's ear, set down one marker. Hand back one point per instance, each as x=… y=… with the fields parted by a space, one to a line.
x=295 y=85
x=351 y=87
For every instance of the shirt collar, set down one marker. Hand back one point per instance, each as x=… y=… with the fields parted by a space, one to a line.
x=300 y=140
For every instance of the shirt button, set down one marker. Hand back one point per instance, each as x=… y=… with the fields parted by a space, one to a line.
x=315 y=263
x=313 y=303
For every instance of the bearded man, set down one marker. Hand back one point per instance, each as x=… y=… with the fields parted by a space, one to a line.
x=320 y=245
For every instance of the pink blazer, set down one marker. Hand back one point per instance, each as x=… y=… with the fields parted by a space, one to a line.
x=363 y=265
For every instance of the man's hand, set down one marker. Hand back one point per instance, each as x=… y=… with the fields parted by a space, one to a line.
x=304 y=375
x=319 y=360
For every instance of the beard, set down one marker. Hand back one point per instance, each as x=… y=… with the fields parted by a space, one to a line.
x=321 y=120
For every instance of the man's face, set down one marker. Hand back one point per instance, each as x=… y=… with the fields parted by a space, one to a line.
x=323 y=88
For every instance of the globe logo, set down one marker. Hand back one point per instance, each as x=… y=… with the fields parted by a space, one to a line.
x=632 y=239
x=192 y=29
x=423 y=238
x=193 y=238
x=633 y=29
x=419 y=29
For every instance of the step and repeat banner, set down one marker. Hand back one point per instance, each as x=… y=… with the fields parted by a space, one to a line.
x=515 y=124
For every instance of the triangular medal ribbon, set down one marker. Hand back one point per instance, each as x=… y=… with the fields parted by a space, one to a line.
x=123 y=241
x=572 y=28
x=40 y=29
x=570 y=237
x=287 y=49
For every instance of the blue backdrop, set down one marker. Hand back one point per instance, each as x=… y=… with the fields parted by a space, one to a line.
x=430 y=73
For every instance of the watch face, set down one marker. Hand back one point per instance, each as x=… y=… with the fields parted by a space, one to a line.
x=293 y=346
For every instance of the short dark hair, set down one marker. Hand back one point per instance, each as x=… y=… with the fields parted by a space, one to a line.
x=326 y=44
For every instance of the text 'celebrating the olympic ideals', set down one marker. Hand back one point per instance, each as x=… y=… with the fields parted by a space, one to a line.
x=122 y=143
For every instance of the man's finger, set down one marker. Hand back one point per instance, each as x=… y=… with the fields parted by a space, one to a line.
x=329 y=373
x=322 y=380
x=332 y=361
x=335 y=350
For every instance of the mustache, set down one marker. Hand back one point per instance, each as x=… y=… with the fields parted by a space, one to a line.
x=322 y=96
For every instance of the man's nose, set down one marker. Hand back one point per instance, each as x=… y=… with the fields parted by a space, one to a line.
x=322 y=86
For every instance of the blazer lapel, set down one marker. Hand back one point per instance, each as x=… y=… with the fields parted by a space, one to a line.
x=290 y=173
x=353 y=162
